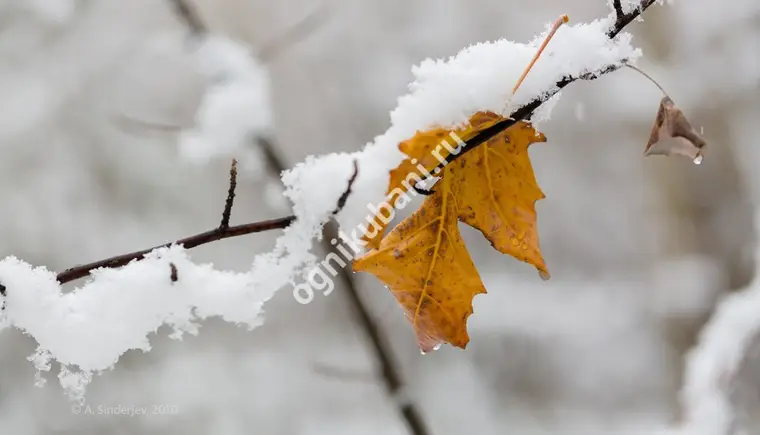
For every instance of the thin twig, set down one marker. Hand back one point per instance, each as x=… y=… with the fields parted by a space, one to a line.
x=344 y=197
x=618 y=8
x=294 y=34
x=343 y=374
x=272 y=158
x=173 y=277
x=391 y=373
x=230 y=196
x=219 y=233
x=623 y=20
x=188 y=243
x=304 y=28
x=210 y=236
x=187 y=13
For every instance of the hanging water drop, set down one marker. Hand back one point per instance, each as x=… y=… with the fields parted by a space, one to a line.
x=433 y=349
x=698 y=159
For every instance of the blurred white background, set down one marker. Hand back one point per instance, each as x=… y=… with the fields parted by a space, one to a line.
x=639 y=249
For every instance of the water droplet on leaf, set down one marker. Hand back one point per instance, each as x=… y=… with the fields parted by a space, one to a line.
x=436 y=347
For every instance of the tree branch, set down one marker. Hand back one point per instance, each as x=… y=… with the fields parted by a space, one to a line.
x=294 y=34
x=186 y=12
x=526 y=111
x=623 y=19
x=230 y=197
x=390 y=372
x=220 y=233
x=190 y=242
x=618 y=8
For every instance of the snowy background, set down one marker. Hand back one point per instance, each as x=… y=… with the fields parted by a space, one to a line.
x=640 y=250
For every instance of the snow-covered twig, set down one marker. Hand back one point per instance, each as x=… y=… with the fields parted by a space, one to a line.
x=526 y=111
x=627 y=11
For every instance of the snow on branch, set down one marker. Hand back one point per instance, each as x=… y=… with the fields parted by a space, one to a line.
x=445 y=93
x=88 y=329
x=712 y=365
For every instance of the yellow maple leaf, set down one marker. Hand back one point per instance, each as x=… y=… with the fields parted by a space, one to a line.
x=501 y=193
x=425 y=152
x=424 y=261
x=428 y=269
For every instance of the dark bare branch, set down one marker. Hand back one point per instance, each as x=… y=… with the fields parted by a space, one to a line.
x=293 y=35
x=618 y=8
x=210 y=236
x=389 y=371
x=623 y=20
x=344 y=197
x=230 y=197
x=272 y=158
x=187 y=13
x=174 y=274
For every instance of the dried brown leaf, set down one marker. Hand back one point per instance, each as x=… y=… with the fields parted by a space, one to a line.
x=672 y=134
